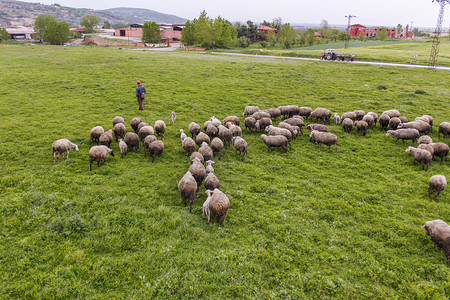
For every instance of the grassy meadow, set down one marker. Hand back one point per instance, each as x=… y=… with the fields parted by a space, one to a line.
x=309 y=223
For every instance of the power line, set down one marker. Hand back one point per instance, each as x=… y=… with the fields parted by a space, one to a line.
x=437 y=35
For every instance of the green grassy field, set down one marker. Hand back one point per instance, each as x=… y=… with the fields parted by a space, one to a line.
x=310 y=223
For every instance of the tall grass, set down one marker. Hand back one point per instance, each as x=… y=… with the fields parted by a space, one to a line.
x=310 y=223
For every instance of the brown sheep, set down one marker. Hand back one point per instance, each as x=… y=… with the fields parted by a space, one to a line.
x=439 y=232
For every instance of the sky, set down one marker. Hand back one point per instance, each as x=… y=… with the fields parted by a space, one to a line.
x=421 y=13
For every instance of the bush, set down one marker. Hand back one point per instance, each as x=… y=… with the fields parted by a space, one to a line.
x=382 y=87
x=421 y=92
x=243 y=42
x=263 y=44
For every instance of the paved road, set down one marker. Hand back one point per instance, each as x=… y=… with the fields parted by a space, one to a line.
x=340 y=62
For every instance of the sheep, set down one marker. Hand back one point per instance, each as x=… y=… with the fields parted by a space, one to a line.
x=264 y=122
x=337 y=119
x=384 y=121
x=155 y=148
x=422 y=127
x=280 y=131
x=205 y=207
x=296 y=121
x=250 y=123
x=212 y=131
x=145 y=131
x=321 y=113
x=249 y=110
x=305 y=111
x=206 y=124
x=404 y=134
x=260 y=114
x=362 y=126
x=134 y=123
x=160 y=128
x=147 y=141
x=437 y=184
x=197 y=170
x=392 y=113
x=218 y=205
x=235 y=130
x=441 y=150
x=274 y=113
x=214 y=121
x=96 y=132
x=318 y=127
x=142 y=124
x=284 y=111
x=217 y=146
x=206 y=151
x=293 y=110
x=326 y=138
x=119 y=131
x=275 y=141
x=106 y=138
x=132 y=140
x=439 y=232
x=99 y=154
x=347 y=124
x=188 y=145
x=202 y=138
x=211 y=182
x=425 y=139
x=444 y=128
x=62 y=146
x=426 y=147
x=209 y=168
x=240 y=145
x=117 y=120
x=173 y=116
x=403 y=119
x=350 y=114
x=289 y=127
x=182 y=135
x=394 y=122
x=187 y=187
x=232 y=119
x=123 y=147
x=194 y=129
x=359 y=114
x=427 y=119
x=225 y=134
x=375 y=117
x=421 y=156
x=370 y=120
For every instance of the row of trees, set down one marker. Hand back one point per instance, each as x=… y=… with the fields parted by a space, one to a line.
x=48 y=29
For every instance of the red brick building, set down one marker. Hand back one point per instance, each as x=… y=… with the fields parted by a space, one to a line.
x=266 y=29
x=371 y=32
x=171 y=32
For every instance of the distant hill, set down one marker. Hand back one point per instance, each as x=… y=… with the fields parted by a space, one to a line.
x=14 y=13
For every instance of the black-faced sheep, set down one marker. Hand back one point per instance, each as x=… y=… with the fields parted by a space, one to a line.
x=217 y=146
x=347 y=124
x=394 y=122
x=425 y=139
x=211 y=182
x=404 y=134
x=187 y=187
x=321 y=113
x=132 y=140
x=217 y=205
x=99 y=154
x=196 y=154
x=441 y=150
x=188 y=145
x=160 y=128
x=119 y=131
x=147 y=141
x=155 y=148
x=421 y=126
x=145 y=131
x=240 y=145
x=275 y=141
x=117 y=120
x=326 y=138
x=206 y=151
x=317 y=127
x=250 y=124
x=194 y=129
x=444 y=128
x=96 y=132
x=384 y=121
x=135 y=123
x=421 y=156
x=197 y=170
x=62 y=146
x=123 y=148
x=106 y=138
x=249 y=110
x=362 y=126
x=202 y=138
x=209 y=168
x=359 y=114
x=437 y=184
x=439 y=232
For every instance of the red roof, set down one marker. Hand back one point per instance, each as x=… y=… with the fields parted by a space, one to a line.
x=265 y=28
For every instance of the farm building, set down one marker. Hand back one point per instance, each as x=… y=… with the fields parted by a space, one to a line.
x=266 y=29
x=170 y=32
x=21 y=32
x=368 y=32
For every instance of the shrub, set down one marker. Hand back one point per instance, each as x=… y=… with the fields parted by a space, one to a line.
x=382 y=87
x=421 y=92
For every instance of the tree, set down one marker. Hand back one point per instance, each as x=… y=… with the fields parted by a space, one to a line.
x=310 y=36
x=325 y=29
x=382 y=35
x=4 y=35
x=187 y=35
x=203 y=31
x=343 y=36
x=89 y=22
x=40 y=25
x=399 y=29
x=57 y=33
x=334 y=34
x=277 y=23
x=151 y=32
x=286 y=35
x=224 y=33
x=106 y=25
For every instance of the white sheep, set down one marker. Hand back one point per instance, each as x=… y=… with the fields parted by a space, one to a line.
x=99 y=154
x=209 y=167
x=437 y=184
x=182 y=135
x=62 y=145
x=337 y=119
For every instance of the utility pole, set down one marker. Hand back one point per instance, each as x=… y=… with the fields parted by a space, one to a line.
x=437 y=35
x=349 y=17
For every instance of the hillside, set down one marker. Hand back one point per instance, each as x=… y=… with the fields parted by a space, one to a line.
x=13 y=13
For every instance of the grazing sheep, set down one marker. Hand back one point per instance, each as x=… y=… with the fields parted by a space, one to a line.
x=187 y=187
x=421 y=156
x=384 y=121
x=145 y=131
x=350 y=115
x=139 y=127
x=202 y=138
x=212 y=131
x=197 y=170
x=62 y=146
x=119 y=131
x=441 y=150
x=392 y=113
x=206 y=124
x=426 y=147
x=362 y=126
x=284 y=111
x=155 y=148
x=132 y=140
x=305 y=111
x=206 y=213
x=206 y=151
x=293 y=110
x=337 y=119
x=422 y=127
x=240 y=145
x=274 y=113
x=194 y=129
x=439 y=232
x=96 y=132
x=375 y=117
x=318 y=127
x=217 y=146
x=225 y=134
x=326 y=138
x=232 y=119
x=134 y=123
x=214 y=121
x=425 y=139
x=123 y=148
x=147 y=141
x=235 y=130
x=347 y=124
x=117 y=120
x=160 y=128
x=427 y=119
x=275 y=141
x=198 y=155
x=394 y=122
x=437 y=183
x=99 y=154
x=370 y=120
x=211 y=182
x=264 y=122
x=261 y=114
x=280 y=131
x=289 y=127
x=188 y=145
x=218 y=205
x=250 y=124
x=106 y=138
x=404 y=134
x=444 y=128
x=209 y=168
x=173 y=116
x=403 y=119
x=359 y=114
x=296 y=121
x=321 y=113
x=182 y=135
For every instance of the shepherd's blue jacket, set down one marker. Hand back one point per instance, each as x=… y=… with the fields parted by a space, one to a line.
x=139 y=90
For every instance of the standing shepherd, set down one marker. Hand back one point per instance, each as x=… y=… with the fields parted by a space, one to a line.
x=140 y=94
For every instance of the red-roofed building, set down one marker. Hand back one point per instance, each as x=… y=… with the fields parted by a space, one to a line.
x=266 y=29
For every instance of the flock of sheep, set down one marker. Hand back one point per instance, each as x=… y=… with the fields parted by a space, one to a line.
x=219 y=134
